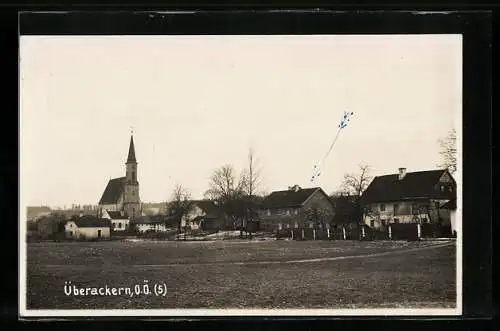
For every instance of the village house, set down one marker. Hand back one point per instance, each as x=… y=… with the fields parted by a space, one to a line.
x=122 y=193
x=88 y=227
x=148 y=224
x=119 y=220
x=205 y=215
x=413 y=197
x=296 y=208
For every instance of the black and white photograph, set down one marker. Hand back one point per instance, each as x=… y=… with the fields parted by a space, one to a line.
x=258 y=175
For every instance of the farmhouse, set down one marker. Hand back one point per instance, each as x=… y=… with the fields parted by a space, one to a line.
x=205 y=215
x=88 y=227
x=122 y=193
x=119 y=220
x=296 y=208
x=414 y=197
x=148 y=224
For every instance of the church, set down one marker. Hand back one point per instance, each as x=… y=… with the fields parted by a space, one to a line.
x=122 y=193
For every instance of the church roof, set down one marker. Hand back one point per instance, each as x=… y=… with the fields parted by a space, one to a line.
x=131 y=151
x=113 y=191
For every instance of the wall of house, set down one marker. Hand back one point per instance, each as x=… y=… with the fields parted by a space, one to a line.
x=151 y=227
x=120 y=224
x=410 y=211
x=74 y=232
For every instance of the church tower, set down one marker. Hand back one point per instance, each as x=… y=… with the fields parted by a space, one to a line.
x=131 y=199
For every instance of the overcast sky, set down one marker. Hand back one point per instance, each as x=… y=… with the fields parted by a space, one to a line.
x=199 y=102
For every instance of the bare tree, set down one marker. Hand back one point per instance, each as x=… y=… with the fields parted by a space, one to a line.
x=223 y=184
x=448 y=152
x=252 y=175
x=180 y=205
x=353 y=185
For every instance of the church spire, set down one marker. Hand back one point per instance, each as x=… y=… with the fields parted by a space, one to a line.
x=131 y=150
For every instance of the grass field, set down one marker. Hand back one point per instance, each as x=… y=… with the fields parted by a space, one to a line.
x=237 y=274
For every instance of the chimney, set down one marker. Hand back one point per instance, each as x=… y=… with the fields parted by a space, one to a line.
x=294 y=188
x=402 y=173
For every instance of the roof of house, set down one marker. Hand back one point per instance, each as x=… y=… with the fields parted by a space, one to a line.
x=116 y=215
x=89 y=221
x=147 y=220
x=452 y=205
x=113 y=191
x=421 y=184
x=209 y=208
x=289 y=198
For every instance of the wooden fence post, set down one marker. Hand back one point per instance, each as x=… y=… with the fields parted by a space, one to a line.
x=419 y=231
x=292 y=233
x=302 y=234
x=390 y=232
x=343 y=233
x=328 y=232
x=314 y=234
x=362 y=232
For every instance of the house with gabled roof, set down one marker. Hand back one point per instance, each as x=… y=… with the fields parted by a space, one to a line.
x=122 y=194
x=409 y=197
x=293 y=208
x=205 y=215
x=88 y=227
x=119 y=220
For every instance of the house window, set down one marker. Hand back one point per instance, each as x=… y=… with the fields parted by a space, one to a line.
x=442 y=188
x=268 y=212
x=119 y=225
x=288 y=211
x=296 y=225
x=450 y=189
x=288 y=225
x=296 y=211
x=382 y=207
x=279 y=226
x=372 y=223
x=133 y=176
x=311 y=225
x=71 y=233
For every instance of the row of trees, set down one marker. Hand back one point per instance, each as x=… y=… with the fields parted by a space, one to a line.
x=236 y=195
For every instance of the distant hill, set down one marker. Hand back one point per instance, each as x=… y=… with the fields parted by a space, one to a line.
x=33 y=212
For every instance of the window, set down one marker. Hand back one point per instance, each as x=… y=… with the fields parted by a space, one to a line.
x=279 y=226
x=288 y=225
x=396 y=207
x=119 y=225
x=268 y=212
x=133 y=192
x=311 y=225
x=382 y=207
x=296 y=211
x=450 y=188
x=442 y=188
x=133 y=176
x=372 y=223
x=71 y=233
x=288 y=211
x=296 y=225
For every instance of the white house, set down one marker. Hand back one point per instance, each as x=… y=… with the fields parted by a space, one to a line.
x=119 y=220
x=88 y=227
x=146 y=223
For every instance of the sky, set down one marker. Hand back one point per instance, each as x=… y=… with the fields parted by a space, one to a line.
x=197 y=103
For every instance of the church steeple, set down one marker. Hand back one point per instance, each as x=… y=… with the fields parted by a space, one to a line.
x=131 y=151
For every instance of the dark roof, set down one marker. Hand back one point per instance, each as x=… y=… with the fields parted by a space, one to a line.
x=116 y=215
x=452 y=205
x=422 y=184
x=209 y=208
x=89 y=221
x=131 y=151
x=113 y=191
x=288 y=198
x=147 y=220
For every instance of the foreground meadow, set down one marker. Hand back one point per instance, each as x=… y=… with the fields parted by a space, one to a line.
x=244 y=274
